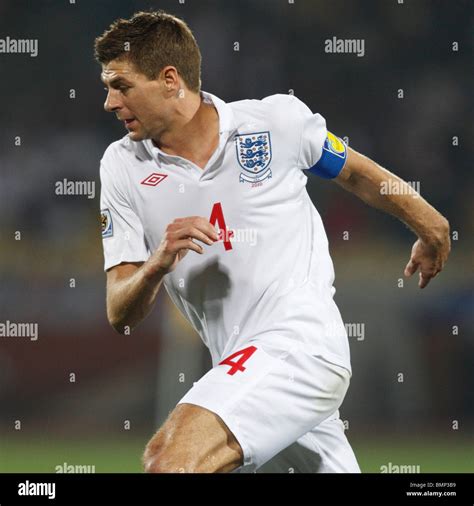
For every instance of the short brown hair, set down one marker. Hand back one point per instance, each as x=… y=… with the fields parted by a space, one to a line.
x=151 y=41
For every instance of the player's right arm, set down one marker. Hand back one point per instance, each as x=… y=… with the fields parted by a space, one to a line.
x=132 y=287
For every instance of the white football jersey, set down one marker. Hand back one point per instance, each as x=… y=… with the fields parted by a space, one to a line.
x=270 y=276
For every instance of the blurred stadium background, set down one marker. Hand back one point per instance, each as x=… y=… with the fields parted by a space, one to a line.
x=126 y=385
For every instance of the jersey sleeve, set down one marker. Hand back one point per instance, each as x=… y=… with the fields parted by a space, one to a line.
x=123 y=238
x=320 y=152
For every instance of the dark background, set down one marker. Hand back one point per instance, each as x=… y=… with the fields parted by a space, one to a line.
x=425 y=420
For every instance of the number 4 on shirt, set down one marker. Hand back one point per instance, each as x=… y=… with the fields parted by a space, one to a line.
x=217 y=216
x=238 y=365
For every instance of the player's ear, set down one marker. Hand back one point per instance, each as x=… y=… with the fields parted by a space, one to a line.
x=170 y=77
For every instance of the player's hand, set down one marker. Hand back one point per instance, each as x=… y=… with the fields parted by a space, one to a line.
x=179 y=239
x=429 y=258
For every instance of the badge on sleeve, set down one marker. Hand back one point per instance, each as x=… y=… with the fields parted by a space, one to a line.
x=332 y=158
x=106 y=223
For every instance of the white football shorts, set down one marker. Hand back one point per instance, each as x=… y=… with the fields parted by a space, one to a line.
x=282 y=407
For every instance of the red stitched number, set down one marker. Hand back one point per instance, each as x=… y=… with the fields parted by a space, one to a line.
x=239 y=365
x=217 y=216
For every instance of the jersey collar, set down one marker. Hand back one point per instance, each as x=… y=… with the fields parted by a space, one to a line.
x=226 y=117
x=226 y=125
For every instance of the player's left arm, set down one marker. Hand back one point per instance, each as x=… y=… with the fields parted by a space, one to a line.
x=365 y=179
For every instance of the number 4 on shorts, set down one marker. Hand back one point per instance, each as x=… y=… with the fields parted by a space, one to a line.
x=238 y=365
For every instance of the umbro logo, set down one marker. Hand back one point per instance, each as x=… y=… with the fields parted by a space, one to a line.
x=154 y=179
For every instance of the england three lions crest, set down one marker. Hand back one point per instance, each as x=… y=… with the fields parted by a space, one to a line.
x=254 y=153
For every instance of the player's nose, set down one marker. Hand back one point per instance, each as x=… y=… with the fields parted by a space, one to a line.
x=112 y=103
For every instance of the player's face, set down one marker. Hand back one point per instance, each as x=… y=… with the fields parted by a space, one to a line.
x=138 y=102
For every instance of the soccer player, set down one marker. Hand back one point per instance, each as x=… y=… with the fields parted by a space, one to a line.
x=209 y=199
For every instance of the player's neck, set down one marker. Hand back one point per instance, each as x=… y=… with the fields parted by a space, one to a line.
x=194 y=135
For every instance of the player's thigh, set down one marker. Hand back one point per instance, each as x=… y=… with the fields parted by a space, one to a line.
x=192 y=439
x=270 y=397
